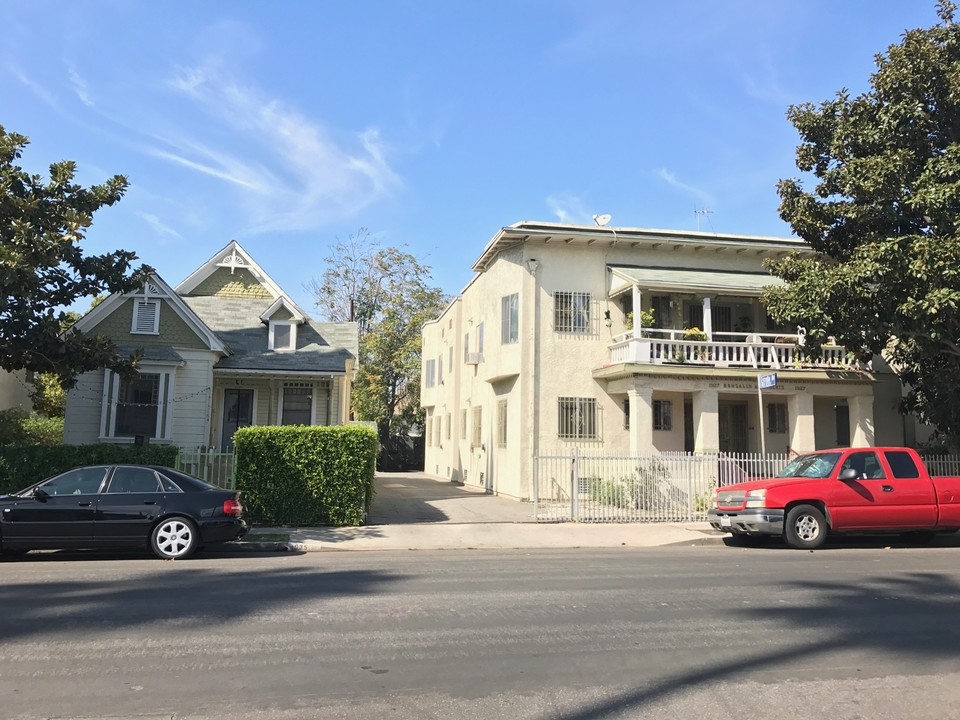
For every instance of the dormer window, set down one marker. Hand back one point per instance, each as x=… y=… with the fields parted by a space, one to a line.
x=146 y=317
x=283 y=335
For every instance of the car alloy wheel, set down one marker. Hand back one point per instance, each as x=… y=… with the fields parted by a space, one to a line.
x=174 y=538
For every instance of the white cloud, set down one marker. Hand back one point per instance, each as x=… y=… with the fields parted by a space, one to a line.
x=569 y=209
x=79 y=86
x=161 y=229
x=301 y=176
x=704 y=198
x=35 y=88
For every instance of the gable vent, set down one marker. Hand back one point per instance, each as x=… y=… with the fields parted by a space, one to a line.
x=146 y=316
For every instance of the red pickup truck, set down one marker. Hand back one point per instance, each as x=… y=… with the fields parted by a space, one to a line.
x=855 y=490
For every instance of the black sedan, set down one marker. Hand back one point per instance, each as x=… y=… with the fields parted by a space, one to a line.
x=112 y=506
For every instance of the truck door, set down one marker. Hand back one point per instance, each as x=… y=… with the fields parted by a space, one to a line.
x=878 y=500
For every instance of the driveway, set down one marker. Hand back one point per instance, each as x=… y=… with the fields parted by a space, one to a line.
x=406 y=498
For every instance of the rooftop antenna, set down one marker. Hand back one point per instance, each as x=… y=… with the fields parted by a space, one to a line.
x=705 y=213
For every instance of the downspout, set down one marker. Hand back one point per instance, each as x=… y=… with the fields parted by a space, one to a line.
x=533 y=265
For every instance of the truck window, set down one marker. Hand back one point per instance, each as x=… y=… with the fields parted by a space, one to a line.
x=817 y=465
x=867 y=465
x=902 y=464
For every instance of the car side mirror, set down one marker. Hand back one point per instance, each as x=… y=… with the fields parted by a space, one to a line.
x=40 y=494
x=848 y=474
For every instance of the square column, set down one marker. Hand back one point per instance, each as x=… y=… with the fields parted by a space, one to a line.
x=800 y=419
x=861 y=420
x=706 y=421
x=641 y=421
x=707 y=319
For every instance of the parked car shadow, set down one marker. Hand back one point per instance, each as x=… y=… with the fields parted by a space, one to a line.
x=839 y=542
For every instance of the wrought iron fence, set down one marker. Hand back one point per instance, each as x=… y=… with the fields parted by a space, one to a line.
x=672 y=487
x=212 y=466
x=942 y=465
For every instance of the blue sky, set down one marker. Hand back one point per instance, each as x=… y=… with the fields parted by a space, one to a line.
x=433 y=123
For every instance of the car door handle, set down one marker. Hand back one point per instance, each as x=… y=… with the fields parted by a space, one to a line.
x=149 y=502
x=84 y=504
x=887 y=488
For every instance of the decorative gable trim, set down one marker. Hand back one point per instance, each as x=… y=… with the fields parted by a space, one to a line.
x=281 y=302
x=154 y=290
x=234 y=257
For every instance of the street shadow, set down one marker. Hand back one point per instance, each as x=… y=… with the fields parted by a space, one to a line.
x=845 y=542
x=179 y=593
x=335 y=535
x=913 y=616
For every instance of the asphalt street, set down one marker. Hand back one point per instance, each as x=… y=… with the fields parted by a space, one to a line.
x=850 y=632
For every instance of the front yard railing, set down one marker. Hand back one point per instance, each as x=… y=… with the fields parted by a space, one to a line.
x=212 y=466
x=673 y=487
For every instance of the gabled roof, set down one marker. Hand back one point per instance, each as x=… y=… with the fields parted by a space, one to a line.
x=281 y=302
x=235 y=257
x=322 y=348
x=154 y=287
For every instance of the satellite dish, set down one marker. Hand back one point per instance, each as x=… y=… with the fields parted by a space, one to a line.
x=601 y=220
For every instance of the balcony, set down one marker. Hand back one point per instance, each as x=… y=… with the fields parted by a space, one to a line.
x=774 y=351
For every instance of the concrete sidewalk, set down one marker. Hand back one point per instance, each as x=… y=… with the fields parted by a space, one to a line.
x=415 y=511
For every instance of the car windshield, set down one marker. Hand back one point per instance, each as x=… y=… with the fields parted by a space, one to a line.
x=816 y=465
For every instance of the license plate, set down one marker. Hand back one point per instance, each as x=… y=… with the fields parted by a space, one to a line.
x=724 y=521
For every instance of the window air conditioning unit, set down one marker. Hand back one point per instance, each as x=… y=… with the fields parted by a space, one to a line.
x=474 y=358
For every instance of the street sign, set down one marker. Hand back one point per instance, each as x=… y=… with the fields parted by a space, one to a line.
x=767 y=381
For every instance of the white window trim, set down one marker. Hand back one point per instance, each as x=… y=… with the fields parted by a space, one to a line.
x=163 y=430
x=313 y=401
x=293 y=335
x=137 y=303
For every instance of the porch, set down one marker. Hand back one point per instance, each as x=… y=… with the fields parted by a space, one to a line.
x=775 y=351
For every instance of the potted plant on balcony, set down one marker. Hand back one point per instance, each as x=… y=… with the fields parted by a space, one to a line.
x=695 y=334
x=646 y=321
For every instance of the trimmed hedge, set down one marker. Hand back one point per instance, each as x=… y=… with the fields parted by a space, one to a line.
x=19 y=427
x=301 y=475
x=21 y=467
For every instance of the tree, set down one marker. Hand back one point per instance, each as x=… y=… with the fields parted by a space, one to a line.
x=43 y=269
x=386 y=291
x=884 y=217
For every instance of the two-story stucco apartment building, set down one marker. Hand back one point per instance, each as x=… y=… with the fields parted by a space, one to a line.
x=630 y=341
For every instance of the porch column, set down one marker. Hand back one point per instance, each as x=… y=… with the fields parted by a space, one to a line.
x=641 y=421
x=707 y=319
x=800 y=420
x=706 y=421
x=861 y=420
x=637 y=300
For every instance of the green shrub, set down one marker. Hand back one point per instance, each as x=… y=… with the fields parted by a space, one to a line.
x=306 y=475
x=20 y=427
x=21 y=467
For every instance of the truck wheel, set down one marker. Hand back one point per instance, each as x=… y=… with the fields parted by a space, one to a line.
x=805 y=528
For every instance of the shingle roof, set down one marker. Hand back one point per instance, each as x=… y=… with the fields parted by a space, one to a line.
x=321 y=347
x=152 y=353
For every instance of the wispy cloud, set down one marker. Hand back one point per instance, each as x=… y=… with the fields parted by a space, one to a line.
x=41 y=92
x=159 y=227
x=301 y=176
x=569 y=209
x=701 y=196
x=79 y=86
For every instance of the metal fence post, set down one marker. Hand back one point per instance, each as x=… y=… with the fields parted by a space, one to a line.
x=574 y=485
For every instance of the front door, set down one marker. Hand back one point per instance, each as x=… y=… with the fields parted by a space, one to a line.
x=237 y=413
x=732 y=423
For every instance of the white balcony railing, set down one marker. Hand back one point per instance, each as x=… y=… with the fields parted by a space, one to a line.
x=751 y=350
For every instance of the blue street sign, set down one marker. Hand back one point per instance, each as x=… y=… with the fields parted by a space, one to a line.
x=767 y=381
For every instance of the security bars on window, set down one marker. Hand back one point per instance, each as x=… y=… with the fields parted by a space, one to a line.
x=571 y=312
x=577 y=418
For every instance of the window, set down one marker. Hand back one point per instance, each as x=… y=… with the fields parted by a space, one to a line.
x=502 y=423
x=283 y=335
x=134 y=480
x=440 y=370
x=138 y=404
x=777 y=417
x=466 y=346
x=431 y=373
x=480 y=338
x=867 y=465
x=509 y=318
x=450 y=360
x=429 y=432
x=571 y=312
x=626 y=414
x=81 y=481
x=902 y=465
x=660 y=304
x=146 y=317
x=297 y=407
x=662 y=415
x=449 y=424
x=477 y=424
x=463 y=424
x=577 y=418
x=437 y=429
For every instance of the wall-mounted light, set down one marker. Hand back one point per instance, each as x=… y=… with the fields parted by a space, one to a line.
x=533 y=264
x=606 y=318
